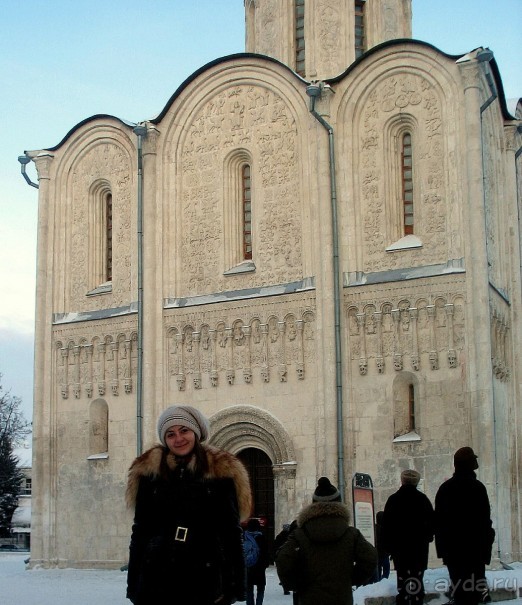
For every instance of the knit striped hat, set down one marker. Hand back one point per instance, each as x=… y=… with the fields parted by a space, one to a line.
x=325 y=491
x=183 y=415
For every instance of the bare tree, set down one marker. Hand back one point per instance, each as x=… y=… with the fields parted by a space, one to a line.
x=13 y=429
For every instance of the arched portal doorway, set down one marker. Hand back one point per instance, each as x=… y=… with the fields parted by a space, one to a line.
x=261 y=442
x=259 y=467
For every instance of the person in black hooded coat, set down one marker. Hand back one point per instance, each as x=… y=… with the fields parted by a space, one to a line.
x=407 y=530
x=463 y=530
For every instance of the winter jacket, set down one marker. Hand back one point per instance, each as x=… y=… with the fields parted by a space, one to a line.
x=463 y=528
x=324 y=556
x=186 y=544
x=408 y=526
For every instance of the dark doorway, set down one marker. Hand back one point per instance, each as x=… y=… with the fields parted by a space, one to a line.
x=259 y=467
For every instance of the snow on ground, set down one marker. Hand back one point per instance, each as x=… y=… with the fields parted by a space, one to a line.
x=19 y=586
x=437 y=581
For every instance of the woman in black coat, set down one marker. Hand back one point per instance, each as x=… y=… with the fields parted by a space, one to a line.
x=189 y=498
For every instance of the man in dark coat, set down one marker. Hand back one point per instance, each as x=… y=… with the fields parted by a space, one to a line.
x=463 y=529
x=324 y=556
x=407 y=530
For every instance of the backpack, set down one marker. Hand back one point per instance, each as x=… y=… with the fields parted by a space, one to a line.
x=251 y=548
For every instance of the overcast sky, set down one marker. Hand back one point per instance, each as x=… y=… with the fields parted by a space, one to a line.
x=62 y=61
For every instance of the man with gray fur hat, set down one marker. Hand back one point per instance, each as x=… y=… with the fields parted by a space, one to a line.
x=407 y=530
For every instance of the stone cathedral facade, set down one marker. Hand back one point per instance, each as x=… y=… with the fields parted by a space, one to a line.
x=317 y=243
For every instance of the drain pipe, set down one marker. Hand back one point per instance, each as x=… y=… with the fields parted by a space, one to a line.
x=140 y=131
x=24 y=160
x=314 y=91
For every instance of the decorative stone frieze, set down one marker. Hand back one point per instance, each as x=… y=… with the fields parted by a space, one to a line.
x=500 y=345
x=93 y=360
x=406 y=332
x=241 y=350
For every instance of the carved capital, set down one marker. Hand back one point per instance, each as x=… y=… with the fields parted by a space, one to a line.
x=510 y=131
x=363 y=366
x=300 y=371
x=150 y=142
x=213 y=378
x=470 y=74
x=43 y=165
x=231 y=376
x=180 y=379
x=452 y=358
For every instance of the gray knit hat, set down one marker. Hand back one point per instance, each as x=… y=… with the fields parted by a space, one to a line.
x=183 y=415
x=326 y=492
x=410 y=477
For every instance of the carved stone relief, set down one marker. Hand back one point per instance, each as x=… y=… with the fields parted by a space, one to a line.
x=248 y=117
x=386 y=335
x=108 y=162
x=500 y=346
x=88 y=365
x=329 y=34
x=404 y=95
x=252 y=349
x=496 y=219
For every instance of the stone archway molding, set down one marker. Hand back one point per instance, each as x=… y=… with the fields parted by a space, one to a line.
x=242 y=426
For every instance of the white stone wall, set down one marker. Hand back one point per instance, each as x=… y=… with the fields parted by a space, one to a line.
x=255 y=349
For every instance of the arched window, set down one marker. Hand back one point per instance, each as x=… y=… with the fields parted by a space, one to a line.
x=100 y=237
x=360 y=36
x=108 y=236
x=247 y=211
x=405 y=406
x=299 y=37
x=411 y=408
x=239 y=213
x=407 y=182
x=99 y=428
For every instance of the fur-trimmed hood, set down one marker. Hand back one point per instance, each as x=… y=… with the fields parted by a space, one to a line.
x=221 y=465
x=323 y=509
x=324 y=521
